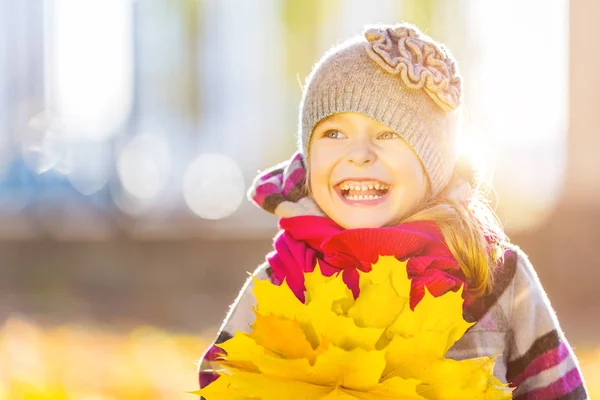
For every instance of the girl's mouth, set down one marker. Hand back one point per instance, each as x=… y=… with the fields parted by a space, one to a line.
x=363 y=191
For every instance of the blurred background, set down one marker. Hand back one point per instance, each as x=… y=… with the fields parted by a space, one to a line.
x=130 y=130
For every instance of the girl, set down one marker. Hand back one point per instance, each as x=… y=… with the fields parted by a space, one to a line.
x=379 y=123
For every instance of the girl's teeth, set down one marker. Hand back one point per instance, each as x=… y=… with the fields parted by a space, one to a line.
x=377 y=186
x=359 y=190
x=361 y=197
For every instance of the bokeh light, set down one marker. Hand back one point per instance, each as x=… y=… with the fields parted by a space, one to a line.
x=127 y=203
x=88 y=170
x=213 y=186
x=144 y=166
x=42 y=150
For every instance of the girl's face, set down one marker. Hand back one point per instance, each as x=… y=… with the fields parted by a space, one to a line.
x=363 y=174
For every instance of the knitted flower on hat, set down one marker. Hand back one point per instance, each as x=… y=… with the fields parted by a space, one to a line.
x=420 y=62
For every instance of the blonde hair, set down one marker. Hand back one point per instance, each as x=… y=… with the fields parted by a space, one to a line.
x=470 y=228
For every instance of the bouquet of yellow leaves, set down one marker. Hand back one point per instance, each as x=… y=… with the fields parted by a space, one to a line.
x=336 y=347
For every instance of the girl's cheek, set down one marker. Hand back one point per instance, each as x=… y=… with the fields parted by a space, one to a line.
x=324 y=156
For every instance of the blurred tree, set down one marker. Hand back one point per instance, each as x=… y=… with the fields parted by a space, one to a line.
x=167 y=36
x=302 y=22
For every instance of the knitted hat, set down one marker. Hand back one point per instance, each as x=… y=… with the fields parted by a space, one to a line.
x=399 y=77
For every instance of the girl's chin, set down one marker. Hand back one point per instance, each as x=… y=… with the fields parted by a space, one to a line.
x=352 y=219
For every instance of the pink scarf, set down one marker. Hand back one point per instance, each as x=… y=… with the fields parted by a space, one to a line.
x=304 y=240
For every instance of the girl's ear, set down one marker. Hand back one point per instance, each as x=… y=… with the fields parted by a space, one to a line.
x=282 y=189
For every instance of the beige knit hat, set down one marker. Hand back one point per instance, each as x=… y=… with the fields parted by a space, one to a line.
x=399 y=77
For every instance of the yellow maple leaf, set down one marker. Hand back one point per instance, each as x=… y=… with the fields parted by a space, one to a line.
x=240 y=352
x=327 y=302
x=458 y=380
x=443 y=315
x=275 y=300
x=378 y=292
x=274 y=335
x=244 y=385
x=335 y=347
x=326 y=290
x=410 y=357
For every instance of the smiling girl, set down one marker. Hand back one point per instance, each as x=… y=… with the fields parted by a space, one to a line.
x=377 y=164
x=363 y=174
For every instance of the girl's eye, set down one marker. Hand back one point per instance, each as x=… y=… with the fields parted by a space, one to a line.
x=388 y=135
x=333 y=134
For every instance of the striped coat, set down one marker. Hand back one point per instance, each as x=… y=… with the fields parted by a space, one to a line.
x=515 y=320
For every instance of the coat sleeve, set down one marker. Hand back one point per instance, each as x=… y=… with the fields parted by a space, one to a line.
x=541 y=362
x=239 y=318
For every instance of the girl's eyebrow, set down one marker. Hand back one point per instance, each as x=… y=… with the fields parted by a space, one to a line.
x=332 y=119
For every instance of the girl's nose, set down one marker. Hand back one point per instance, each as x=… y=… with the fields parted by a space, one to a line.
x=361 y=153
